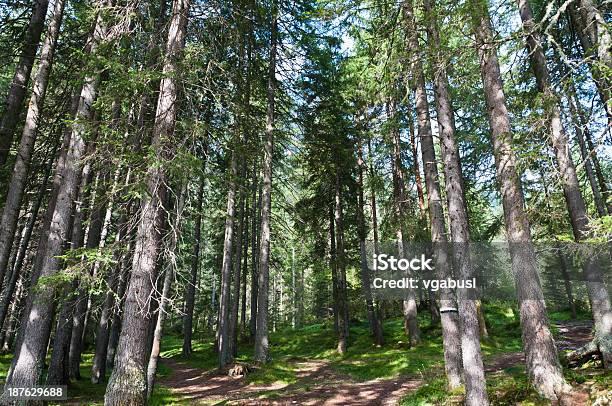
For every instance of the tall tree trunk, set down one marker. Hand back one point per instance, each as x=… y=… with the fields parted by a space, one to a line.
x=15 y=312
x=14 y=99
x=223 y=335
x=598 y=293
x=261 y=332
x=245 y=270
x=448 y=313
x=128 y=382
x=81 y=303
x=373 y=199
x=165 y=296
x=26 y=368
x=193 y=276
x=28 y=138
x=124 y=276
x=113 y=279
x=343 y=319
x=375 y=324
x=233 y=327
x=541 y=356
x=58 y=373
x=333 y=264
x=416 y=168
x=254 y=251
x=401 y=208
x=473 y=369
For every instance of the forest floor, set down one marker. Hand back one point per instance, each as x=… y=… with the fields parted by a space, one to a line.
x=306 y=371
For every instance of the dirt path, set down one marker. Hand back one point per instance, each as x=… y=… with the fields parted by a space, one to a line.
x=318 y=384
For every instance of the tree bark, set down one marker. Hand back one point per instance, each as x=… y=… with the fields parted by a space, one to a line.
x=128 y=382
x=473 y=369
x=261 y=332
x=597 y=290
x=541 y=357
x=28 y=138
x=14 y=99
x=26 y=368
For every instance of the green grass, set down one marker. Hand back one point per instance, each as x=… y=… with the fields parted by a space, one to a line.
x=430 y=393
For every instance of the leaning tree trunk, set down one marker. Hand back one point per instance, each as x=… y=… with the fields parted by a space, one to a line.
x=448 y=314
x=261 y=331
x=193 y=275
x=27 y=365
x=127 y=384
x=17 y=91
x=28 y=138
x=541 y=356
x=473 y=369
x=598 y=293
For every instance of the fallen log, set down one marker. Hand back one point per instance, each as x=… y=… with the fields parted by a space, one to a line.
x=589 y=351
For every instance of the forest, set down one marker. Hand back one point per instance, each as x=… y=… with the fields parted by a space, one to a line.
x=204 y=202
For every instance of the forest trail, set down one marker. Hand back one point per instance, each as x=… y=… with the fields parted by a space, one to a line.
x=317 y=384
x=320 y=384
